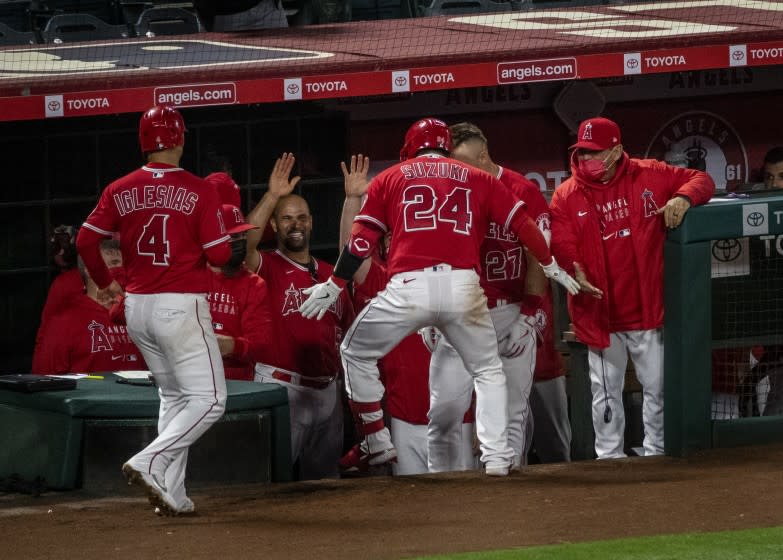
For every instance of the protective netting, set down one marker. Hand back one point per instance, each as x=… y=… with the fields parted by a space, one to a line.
x=127 y=54
x=747 y=327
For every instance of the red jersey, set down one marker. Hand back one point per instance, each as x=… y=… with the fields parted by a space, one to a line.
x=438 y=210
x=239 y=308
x=309 y=348
x=502 y=255
x=167 y=218
x=549 y=363
x=82 y=339
x=66 y=285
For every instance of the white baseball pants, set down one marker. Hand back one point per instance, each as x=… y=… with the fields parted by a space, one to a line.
x=174 y=334
x=452 y=301
x=316 y=426
x=410 y=440
x=551 y=426
x=451 y=389
x=607 y=379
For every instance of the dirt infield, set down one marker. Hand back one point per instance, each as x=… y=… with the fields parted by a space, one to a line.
x=384 y=517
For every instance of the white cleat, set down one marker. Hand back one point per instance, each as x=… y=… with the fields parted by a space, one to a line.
x=496 y=470
x=156 y=493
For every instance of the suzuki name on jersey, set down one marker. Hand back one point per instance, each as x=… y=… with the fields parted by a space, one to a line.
x=435 y=170
x=155 y=196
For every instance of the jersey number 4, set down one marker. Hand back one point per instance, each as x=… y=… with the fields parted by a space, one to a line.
x=153 y=241
x=420 y=212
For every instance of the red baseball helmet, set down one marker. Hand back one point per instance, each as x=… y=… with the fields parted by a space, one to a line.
x=426 y=133
x=161 y=127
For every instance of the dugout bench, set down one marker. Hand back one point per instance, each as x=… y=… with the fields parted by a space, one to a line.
x=80 y=438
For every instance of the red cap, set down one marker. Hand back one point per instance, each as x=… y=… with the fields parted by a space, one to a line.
x=234 y=220
x=597 y=134
x=228 y=190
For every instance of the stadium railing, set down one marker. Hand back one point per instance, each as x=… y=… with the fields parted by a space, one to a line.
x=723 y=290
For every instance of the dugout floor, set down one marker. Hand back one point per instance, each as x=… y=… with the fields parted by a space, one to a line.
x=390 y=518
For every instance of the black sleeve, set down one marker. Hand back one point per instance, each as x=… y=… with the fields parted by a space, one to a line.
x=347 y=264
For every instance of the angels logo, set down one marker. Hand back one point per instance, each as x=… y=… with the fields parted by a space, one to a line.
x=588 y=134
x=650 y=207
x=543 y=222
x=704 y=141
x=99 y=339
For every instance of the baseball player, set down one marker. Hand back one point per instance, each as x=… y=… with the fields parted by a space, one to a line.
x=404 y=370
x=513 y=283
x=228 y=190
x=609 y=223
x=80 y=337
x=551 y=434
x=437 y=210
x=239 y=305
x=305 y=359
x=68 y=282
x=169 y=225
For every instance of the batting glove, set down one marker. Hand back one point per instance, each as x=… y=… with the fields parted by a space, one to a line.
x=322 y=297
x=522 y=335
x=430 y=336
x=553 y=271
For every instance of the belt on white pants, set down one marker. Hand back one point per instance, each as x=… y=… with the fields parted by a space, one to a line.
x=292 y=378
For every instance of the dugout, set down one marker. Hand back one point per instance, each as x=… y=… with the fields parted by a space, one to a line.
x=698 y=79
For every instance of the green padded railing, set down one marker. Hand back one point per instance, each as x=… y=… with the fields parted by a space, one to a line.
x=689 y=328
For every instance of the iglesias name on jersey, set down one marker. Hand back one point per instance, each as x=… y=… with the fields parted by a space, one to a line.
x=166 y=218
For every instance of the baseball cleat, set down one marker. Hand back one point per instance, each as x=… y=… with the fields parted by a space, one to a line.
x=496 y=470
x=156 y=493
x=359 y=460
x=186 y=508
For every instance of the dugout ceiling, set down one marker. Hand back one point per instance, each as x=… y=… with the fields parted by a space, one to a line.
x=384 y=57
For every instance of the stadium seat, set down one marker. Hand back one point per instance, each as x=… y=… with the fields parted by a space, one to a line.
x=106 y=10
x=454 y=7
x=15 y=14
x=167 y=21
x=383 y=9
x=80 y=27
x=10 y=36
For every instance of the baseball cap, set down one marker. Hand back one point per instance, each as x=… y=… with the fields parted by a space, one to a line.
x=597 y=134
x=234 y=220
x=228 y=190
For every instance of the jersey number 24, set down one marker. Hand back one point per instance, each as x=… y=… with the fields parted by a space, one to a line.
x=420 y=212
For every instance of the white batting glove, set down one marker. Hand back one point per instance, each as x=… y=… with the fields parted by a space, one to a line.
x=431 y=337
x=322 y=297
x=553 y=271
x=522 y=335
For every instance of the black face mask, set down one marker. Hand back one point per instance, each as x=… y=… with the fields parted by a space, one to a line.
x=238 y=254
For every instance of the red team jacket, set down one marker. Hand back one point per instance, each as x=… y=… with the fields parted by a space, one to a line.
x=239 y=308
x=577 y=221
x=438 y=210
x=309 y=348
x=82 y=339
x=167 y=219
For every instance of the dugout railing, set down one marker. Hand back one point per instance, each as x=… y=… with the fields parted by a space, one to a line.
x=723 y=290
